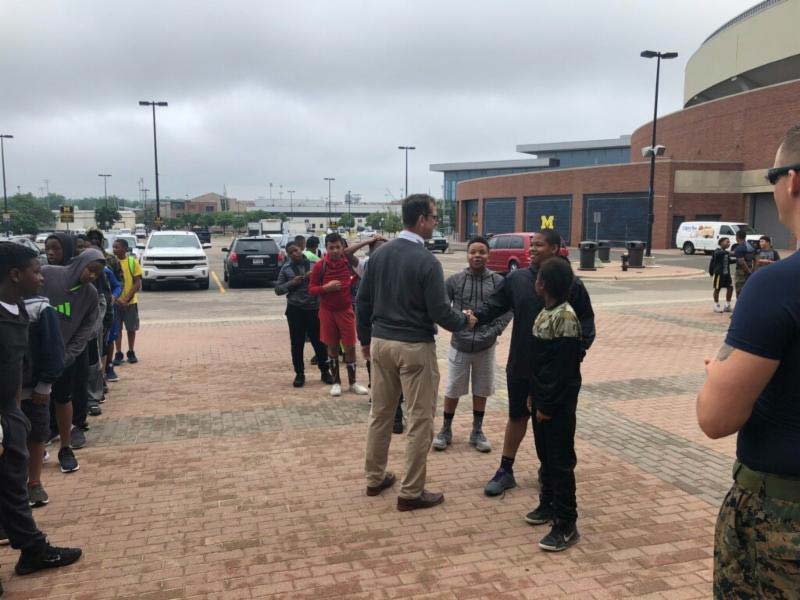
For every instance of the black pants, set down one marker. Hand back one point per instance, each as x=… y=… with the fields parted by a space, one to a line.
x=15 y=512
x=555 y=447
x=72 y=386
x=304 y=323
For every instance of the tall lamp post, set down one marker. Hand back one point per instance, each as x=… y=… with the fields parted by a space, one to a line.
x=6 y=216
x=406 y=149
x=154 y=103
x=653 y=150
x=329 y=180
x=291 y=202
x=105 y=177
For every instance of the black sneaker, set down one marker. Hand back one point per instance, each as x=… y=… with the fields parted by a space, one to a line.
x=503 y=480
x=77 y=439
x=326 y=377
x=539 y=516
x=119 y=358
x=299 y=380
x=111 y=374
x=48 y=558
x=95 y=410
x=84 y=427
x=561 y=537
x=132 y=357
x=37 y=496
x=67 y=460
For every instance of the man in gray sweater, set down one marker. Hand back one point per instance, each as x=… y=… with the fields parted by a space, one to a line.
x=400 y=301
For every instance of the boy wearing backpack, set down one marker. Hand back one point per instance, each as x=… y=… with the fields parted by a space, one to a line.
x=331 y=279
x=720 y=269
x=128 y=302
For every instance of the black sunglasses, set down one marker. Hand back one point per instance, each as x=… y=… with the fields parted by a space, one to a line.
x=436 y=217
x=774 y=174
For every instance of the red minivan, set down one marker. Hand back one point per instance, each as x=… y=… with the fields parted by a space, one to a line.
x=511 y=251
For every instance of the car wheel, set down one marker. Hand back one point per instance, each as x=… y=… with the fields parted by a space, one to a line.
x=513 y=265
x=232 y=281
x=203 y=284
x=688 y=248
x=225 y=275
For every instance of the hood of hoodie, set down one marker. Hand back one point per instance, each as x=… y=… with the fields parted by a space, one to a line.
x=67 y=242
x=471 y=291
x=68 y=296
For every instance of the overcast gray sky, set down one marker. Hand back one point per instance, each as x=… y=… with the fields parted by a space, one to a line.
x=293 y=91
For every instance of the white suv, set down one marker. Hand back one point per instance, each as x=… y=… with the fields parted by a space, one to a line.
x=174 y=256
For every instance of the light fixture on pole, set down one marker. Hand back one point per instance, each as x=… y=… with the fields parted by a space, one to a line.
x=329 y=180
x=154 y=103
x=105 y=177
x=406 y=149
x=291 y=202
x=653 y=150
x=6 y=215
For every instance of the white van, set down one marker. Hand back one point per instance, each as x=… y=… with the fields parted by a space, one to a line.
x=705 y=235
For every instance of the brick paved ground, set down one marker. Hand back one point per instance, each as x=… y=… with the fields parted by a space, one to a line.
x=209 y=476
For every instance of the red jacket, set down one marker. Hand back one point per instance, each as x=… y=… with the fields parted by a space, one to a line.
x=333 y=270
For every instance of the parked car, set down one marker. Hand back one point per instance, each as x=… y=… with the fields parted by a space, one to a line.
x=511 y=251
x=252 y=258
x=42 y=238
x=204 y=235
x=705 y=235
x=437 y=243
x=28 y=243
x=135 y=246
x=365 y=234
x=174 y=256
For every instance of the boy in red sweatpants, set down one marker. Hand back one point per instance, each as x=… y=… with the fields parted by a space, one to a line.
x=331 y=279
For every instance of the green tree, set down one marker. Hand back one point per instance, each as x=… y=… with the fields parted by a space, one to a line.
x=239 y=222
x=392 y=223
x=375 y=220
x=224 y=219
x=105 y=217
x=29 y=214
x=347 y=221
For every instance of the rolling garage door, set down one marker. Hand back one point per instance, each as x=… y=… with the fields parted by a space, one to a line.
x=549 y=212
x=470 y=208
x=623 y=217
x=499 y=215
x=765 y=220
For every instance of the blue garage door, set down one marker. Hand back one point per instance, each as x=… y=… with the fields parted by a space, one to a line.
x=499 y=215
x=470 y=218
x=623 y=217
x=549 y=212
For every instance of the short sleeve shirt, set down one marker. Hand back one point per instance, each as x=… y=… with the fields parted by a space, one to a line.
x=130 y=270
x=770 y=439
x=745 y=252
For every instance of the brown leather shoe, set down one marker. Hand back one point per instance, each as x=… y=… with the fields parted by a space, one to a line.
x=387 y=482
x=426 y=500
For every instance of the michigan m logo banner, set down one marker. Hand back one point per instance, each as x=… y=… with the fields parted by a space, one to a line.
x=548 y=222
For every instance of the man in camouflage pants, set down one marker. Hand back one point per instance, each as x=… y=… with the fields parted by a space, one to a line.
x=753 y=389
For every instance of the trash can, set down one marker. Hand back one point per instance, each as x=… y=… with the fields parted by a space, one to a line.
x=588 y=250
x=635 y=254
x=604 y=251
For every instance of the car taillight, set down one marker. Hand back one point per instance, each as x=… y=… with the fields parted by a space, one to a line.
x=234 y=258
x=281 y=256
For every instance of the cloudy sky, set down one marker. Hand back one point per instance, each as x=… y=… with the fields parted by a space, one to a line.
x=290 y=92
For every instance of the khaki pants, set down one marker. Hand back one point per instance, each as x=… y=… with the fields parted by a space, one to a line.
x=409 y=368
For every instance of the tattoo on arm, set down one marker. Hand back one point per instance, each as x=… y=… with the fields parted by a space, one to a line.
x=724 y=352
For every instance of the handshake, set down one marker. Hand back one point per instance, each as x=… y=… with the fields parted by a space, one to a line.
x=472 y=320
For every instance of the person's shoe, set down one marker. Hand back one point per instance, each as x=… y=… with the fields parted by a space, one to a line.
x=67 y=460
x=95 y=410
x=443 y=439
x=314 y=360
x=37 y=496
x=479 y=441
x=501 y=482
x=102 y=398
x=48 y=558
x=398 y=425
x=45 y=456
x=326 y=377
x=388 y=481
x=358 y=389
x=426 y=500
x=54 y=437
x=132 y=357
x=76 y=439
x=717 y=308
x=3 y=537
x=299 y=380
x=539 y=516
x=111 y=375
x=83 y=427
x=727 y=307
x=119 y=358
x=336 y=390
x=561 y=537
x=105 y=391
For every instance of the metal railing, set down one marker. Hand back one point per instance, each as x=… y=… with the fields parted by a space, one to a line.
x=752 y=11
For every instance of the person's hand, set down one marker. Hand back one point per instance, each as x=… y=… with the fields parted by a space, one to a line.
x=541 y=417
x=332 y=286
x=472 y=321
x=122 y=303
x=40 y=398
x=297 y=280
x=307 y=275
x=377 y=238
x=365 y=352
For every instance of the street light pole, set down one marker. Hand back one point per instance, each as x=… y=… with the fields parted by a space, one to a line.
x=6 y=219
x=153 y=104
x=650 y=193
x=406 y=148
x=329 y=180
x=291 y=202
x=105 y=177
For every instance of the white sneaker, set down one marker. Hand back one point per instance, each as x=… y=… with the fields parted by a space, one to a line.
x=359 y=389
x=728 y=307
x=717 y=308
x=336 y=390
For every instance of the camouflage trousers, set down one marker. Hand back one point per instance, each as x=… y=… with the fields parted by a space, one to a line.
x=757 y=547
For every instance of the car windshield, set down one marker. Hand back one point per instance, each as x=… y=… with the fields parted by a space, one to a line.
x=746 y=228
x=256 y=247
x=174 y=241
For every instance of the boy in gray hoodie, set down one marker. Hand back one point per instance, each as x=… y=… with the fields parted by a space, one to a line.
x=75 y=301
x=471 y=355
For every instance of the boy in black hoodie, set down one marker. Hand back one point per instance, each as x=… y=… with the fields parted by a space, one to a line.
x=20 y=276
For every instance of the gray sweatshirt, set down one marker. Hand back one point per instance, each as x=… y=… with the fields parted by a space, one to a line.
x=296 y=295
x=76 y=304
x=402 y=295
x=466 y=290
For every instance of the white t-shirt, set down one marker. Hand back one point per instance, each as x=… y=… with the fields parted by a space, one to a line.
x=12 y=308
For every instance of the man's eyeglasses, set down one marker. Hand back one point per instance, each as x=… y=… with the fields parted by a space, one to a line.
x=436 y=217
x=774 y=174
